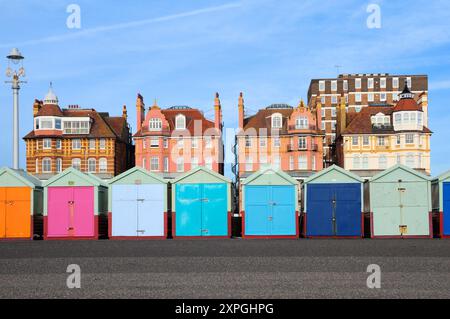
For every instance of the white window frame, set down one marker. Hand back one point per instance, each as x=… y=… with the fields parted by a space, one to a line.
x=302 y=162
x=180 y=122
x=276 y=141
x=166 y=164
x=46 y=165
x=321 y=86
x=102 y=144
x=47 y=144
x=302 y=143
x=76 y=163
x=154 y=142
x=90 y=161
x=358 y=83
x=180 y=165
x=409 y=138
x=103 y=165
x=383 y=83
x=92 y=144
x=154 y=164
x=155 y=124
x=58 y=144
x=76 y=144
x=59 y=165
x=277 y=121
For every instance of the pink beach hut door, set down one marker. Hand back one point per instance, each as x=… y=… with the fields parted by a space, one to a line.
x=58 y=219
x=83 y=212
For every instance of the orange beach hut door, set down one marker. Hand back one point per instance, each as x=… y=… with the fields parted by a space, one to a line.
x=15 y=207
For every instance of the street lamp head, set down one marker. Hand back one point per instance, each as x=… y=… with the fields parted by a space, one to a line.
x=15 y=56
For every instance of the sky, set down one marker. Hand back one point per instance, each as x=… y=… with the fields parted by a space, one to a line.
x=182 y=52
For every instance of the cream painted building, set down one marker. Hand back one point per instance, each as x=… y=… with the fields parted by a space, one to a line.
x=381 y=136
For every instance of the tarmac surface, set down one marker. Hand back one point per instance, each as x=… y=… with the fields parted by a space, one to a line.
x=226 y=269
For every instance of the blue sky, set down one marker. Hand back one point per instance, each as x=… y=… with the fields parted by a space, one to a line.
x=182 y=52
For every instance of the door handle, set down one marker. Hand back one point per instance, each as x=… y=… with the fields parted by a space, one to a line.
x=141 y=200
x=205 y=231
x=141 y=231
x=70 y=228
x=270 y=218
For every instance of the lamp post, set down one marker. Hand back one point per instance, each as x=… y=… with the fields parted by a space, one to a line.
x=15 y=57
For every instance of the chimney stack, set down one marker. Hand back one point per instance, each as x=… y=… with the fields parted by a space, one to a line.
x=36 y=107
x=125 y=112
x=342 y=116
x=241 y=111
x=218 y=113
x=140 y=112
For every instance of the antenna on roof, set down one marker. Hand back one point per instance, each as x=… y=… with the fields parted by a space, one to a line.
x=338 y=69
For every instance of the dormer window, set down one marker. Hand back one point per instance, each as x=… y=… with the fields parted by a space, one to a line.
x=277 y=121
x=155 y=124
x=47 y=123
x=180 y=122
x=301 y=123
x=381 y=120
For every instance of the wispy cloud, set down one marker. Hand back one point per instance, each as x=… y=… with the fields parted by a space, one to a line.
x=122 y=26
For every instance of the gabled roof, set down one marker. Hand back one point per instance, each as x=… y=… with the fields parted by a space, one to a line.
x=192 y=117
x=201 y=169
x=335 y=168
x=442 y=177
x=280 y=173
x=72 y=171
x=21 y=175
x=400 y=167
x=262 y=119
x=132 y=171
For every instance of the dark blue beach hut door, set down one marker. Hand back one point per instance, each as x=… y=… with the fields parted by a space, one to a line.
x=334 y=210
x=446 y=191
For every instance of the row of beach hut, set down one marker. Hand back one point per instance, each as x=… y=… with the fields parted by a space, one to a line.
x=334 y=203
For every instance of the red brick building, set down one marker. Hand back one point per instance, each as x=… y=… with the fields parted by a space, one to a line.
x=85 y=139
x=172 y=141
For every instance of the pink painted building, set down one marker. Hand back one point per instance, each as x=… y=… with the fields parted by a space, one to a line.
x=175 y=140
x=282 y=137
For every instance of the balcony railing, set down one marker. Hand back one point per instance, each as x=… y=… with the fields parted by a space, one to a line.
x=295 y=148
x=382 y=127
x=302 y=128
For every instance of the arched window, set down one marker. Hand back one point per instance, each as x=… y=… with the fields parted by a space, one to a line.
x=76 y=163
x=46 y=165
x=180 y=122
x=58 y=165
x=155 y=124
x=92 y=165
x=277 y=121
x=103 y=165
